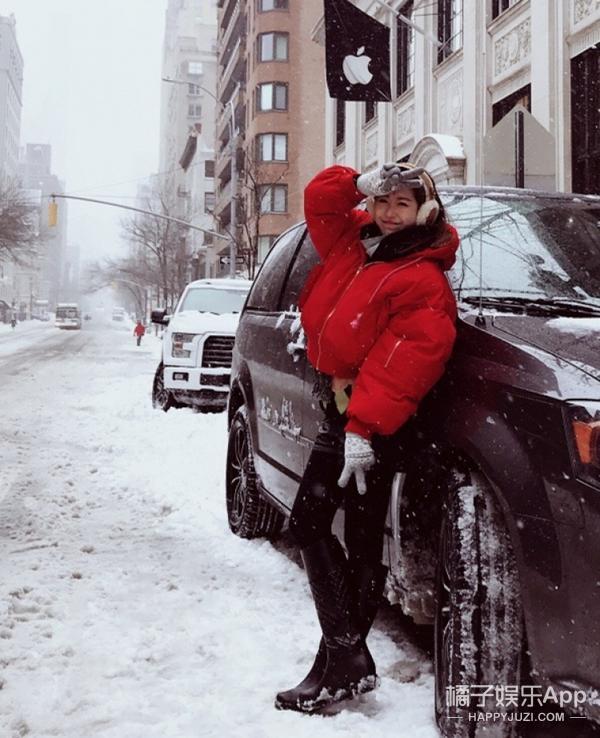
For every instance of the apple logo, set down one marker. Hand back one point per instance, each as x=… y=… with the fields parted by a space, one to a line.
x=356 y=68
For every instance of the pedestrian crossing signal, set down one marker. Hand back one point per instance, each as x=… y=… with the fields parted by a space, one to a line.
x=52 y=214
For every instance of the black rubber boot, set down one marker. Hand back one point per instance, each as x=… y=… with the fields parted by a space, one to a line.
x=368 y=583
x=343 y=667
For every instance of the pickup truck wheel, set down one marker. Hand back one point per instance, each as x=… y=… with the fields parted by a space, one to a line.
x=479 y=634
x=161 y=397
x=249 y=514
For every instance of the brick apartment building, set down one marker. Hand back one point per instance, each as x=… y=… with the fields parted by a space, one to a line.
x=272 y=76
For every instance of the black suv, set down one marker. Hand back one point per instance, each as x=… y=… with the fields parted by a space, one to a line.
x=493 y=528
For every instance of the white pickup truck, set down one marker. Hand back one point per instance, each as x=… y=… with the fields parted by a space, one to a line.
x=197 y=345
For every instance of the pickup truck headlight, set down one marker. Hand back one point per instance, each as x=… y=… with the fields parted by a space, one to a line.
x=177 y=349
x=584 y=426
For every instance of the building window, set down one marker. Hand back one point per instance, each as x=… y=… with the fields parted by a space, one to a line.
x=499 y=6
x=504 y=106
x=370 y=110
x=405 y=60
x=273 y=198
x=273 y=47
x=340 y=122
x=209 y=168
x=272 y=147
x=585 y=133
x=195 y=68
x=272 y=96
x=194 y=89
x=265 y=5
x=208 y=239
x=209 y=202
x=264 y=246
x=449 y=27
x=194 y=110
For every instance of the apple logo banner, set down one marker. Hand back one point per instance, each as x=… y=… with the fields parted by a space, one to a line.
x=356 y=68
x=357 y=53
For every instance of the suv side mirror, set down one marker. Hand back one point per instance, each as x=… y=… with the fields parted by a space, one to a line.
x=160 y=317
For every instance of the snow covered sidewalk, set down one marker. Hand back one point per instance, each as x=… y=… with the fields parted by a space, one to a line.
x=128 y=609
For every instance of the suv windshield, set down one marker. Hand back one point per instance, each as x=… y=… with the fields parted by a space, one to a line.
x=535 y=246
x=211 y=300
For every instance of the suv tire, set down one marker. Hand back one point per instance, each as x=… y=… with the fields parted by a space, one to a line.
x=248 y=513
x=161 y=398
x=479 y=636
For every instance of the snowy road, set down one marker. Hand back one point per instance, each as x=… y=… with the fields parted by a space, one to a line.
x=128 y=610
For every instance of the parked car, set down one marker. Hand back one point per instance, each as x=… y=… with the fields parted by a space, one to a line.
x=197 y=344
x=494 y=516
x=118 y=314
x=67 y=316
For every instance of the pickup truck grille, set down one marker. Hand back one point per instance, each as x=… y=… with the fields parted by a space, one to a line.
x=217 y=351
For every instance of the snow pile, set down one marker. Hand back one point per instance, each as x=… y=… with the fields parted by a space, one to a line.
x=128 y=609
x=577 y=326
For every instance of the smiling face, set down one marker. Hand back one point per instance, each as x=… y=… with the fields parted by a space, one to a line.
x=395 y=211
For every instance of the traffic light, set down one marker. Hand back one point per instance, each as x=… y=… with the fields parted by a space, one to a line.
x=52 y=213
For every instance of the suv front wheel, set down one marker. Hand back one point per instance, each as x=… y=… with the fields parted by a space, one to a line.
x=479 y=622
x=249 y=514
x=161 y=397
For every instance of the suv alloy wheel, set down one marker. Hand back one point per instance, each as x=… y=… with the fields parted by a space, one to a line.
x=249 y=514
x=479 y=632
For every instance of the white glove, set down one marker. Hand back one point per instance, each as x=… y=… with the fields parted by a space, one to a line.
x=358 y=458
x=387 y=179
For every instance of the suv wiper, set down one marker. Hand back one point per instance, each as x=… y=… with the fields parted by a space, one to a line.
x=562 y=306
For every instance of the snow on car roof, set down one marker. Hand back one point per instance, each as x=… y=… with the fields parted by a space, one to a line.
x=498 y=191
x=223 y=283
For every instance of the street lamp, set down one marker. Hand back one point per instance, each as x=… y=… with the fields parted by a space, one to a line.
x=232 y=241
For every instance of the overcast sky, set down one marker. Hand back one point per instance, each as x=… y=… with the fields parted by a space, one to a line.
x=92 y=90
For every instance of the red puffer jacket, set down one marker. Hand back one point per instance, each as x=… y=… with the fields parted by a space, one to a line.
x=387 y=324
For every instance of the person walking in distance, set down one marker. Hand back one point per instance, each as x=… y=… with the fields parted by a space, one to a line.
x=139 y=331
x=379 y=317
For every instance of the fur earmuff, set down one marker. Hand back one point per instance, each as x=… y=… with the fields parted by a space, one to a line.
x=428 y=213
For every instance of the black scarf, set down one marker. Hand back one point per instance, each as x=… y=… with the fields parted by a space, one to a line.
x=401 y=243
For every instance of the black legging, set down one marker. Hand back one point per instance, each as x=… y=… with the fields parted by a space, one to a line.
x=319 y=496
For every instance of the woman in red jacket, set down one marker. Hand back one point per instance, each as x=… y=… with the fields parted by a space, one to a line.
x=379 y=318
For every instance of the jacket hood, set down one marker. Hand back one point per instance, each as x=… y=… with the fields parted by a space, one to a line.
x=433 y=242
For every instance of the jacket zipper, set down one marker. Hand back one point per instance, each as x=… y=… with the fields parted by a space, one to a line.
x=392 y=352
x=358 y=271
x=389 y=274
x=332 y=311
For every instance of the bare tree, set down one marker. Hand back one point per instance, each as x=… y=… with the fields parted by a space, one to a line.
x=127 y=275
x=161 y=246
x=256 y=183
x=19 y=224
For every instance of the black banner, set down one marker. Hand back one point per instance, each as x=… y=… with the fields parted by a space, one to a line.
x=357 y=54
